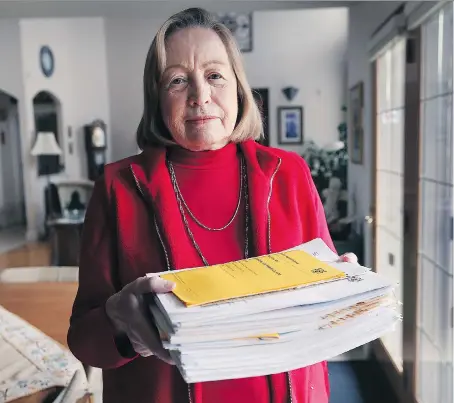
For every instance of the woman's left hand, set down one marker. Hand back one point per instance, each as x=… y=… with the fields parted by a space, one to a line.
x=349 y=258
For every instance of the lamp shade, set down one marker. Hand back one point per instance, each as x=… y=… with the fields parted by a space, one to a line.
x=290 y=92
x=46 y=144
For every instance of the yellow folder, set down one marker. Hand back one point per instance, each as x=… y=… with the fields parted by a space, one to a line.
x=258 y=275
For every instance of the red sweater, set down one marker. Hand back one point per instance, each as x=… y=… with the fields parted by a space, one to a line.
x=215 y=175
x=120 y=243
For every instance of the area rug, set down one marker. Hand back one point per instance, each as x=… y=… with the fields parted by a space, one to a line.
x=31 y=361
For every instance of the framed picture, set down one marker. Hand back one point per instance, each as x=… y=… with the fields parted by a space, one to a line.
x=356 y=101
x=261 y=96
x=290 y=125
x=240 y=25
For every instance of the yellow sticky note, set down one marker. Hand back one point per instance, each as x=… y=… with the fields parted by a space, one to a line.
x=262 y=336
x=258 y=275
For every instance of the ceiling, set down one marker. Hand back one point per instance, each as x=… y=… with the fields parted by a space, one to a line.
x=144 y=8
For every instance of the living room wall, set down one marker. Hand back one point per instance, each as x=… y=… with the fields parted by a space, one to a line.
x=99 y=67
x=302 y=48
x=79 y=83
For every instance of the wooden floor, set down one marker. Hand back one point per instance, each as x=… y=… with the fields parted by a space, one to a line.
x=46 y=306
x=31 y=254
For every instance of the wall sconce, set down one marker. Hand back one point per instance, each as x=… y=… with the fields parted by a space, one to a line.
x=290 y=92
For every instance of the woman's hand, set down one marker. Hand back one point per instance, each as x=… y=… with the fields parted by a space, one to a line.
x=126 y=310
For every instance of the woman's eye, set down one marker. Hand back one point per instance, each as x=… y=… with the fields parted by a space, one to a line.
x=177 y=81
x=214 y=76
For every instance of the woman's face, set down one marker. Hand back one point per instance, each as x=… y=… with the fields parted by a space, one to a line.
x=198 y=93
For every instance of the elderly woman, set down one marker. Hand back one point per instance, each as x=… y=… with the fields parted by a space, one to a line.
x=202 y=192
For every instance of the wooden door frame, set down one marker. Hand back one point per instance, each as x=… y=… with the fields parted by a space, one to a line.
x=412 y=208
x=405 y=383
x=373 y=191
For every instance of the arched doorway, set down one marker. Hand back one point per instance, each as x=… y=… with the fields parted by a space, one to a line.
x=48 y=129
x=47 y=115
x=12 y=197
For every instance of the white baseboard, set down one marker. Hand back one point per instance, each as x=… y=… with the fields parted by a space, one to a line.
x=12 y=238
x=32 y=235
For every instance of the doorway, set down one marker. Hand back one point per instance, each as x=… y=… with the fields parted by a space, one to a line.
x=395 y=195
x=47 y=115
x=412 y=206
x=12 y=196
x=434 y=331
x=389 y=179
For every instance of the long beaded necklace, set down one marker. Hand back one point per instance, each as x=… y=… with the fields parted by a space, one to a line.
x=183 y=207
x=181 y=203
x=186 y=207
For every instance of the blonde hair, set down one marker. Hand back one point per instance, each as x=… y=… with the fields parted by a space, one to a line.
x=152 y=130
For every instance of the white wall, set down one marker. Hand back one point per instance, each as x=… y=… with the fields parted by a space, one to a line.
x=10 y=57
x=305 y=49
x=364 y=19
x=79 y=83
x=302 y=48
x=127 y=43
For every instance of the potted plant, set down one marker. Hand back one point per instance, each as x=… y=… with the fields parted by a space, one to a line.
x=329 y=167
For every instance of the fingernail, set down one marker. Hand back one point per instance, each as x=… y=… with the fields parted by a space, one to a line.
x=169 y=285
x=349 y=257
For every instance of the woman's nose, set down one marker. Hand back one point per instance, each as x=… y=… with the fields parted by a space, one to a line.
x=199 y=94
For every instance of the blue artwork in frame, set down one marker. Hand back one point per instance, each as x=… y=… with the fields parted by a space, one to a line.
x=290 y=125
x=47 y=61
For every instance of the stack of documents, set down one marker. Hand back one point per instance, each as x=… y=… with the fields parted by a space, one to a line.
x=271 y=314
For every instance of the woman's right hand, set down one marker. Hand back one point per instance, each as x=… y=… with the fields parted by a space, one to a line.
x=126 y=310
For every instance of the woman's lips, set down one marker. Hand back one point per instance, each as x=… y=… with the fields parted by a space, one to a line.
x=200 y=120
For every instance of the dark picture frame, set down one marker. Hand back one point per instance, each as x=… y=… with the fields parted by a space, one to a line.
x=356 y=107
x=290 y=129
x=261 y=96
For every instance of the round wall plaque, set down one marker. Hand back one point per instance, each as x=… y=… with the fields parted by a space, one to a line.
x=47 y=62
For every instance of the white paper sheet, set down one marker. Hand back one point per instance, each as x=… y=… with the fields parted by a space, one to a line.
x=314 y=323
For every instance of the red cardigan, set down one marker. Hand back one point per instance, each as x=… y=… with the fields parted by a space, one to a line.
x=120 y=244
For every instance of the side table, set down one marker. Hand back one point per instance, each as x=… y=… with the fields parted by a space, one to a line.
x=65 y=236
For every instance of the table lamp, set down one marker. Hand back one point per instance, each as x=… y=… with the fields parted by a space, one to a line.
x=46 y=145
